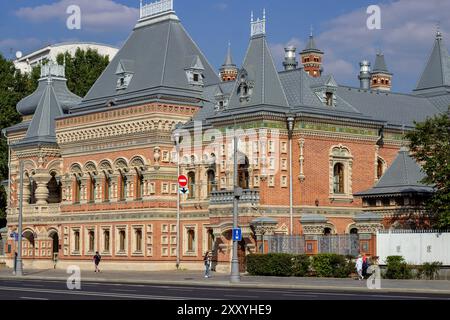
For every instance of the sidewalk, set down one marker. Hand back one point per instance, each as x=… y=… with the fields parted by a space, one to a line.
x=196 y=278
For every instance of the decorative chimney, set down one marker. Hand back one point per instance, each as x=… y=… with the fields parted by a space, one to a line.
x=290 y=62
x=364 y=75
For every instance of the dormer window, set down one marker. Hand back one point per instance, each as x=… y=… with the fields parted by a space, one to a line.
x=194 y=71
x=245 y=87
x=329 y=99
x=125 y=72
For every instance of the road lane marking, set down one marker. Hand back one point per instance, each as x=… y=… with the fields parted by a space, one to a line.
x=101 y=294
x=33 y=298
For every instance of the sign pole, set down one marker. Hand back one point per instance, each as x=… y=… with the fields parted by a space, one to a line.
x=19 y=270
x=177 y=146
x=235 y=276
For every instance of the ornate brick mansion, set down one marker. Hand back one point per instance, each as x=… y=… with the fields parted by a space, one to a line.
x=315 y=157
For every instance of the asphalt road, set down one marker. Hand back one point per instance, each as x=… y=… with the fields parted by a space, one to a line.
x=57 y=290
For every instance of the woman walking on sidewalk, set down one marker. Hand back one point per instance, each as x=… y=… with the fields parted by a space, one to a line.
x=207 y=260
x=359 y=267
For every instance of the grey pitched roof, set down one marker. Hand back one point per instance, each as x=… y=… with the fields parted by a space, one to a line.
x=259 y=70
x=403 y=176
x=28 y=105
x=161 y=50
x=380 y=64
x=311 y=46
x=394 y=108
x=437 y=70
x=42 y=126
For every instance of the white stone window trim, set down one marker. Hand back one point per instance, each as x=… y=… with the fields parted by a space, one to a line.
x=72 y=241
x=194 y=252
x=119 y=228
x=103 y=252
x=341 y=154
x=134 y=228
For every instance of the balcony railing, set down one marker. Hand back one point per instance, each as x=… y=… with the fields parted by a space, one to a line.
x=226 y=197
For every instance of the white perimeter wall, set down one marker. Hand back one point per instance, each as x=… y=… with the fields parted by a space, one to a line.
x=416 y=247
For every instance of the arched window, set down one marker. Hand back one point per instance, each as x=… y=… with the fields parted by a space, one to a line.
x=33 y=187
x=243 y=175
x=138 y=234
x=338 y=178
x=191 y=239
x=54 y=189
x=77 y=189
x=107 y=188
x=123 y=186
x=211 y=181
x=76 y=236
x=92 y=188
x=191 y=182
x=380 y=168
x=139 y=185
x=353 y=231
x=91 y=241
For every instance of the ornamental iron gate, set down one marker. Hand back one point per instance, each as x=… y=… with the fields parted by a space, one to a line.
x=286 y=244
x=344 y=244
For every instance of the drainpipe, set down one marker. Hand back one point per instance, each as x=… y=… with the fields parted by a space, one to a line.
x=290 y=123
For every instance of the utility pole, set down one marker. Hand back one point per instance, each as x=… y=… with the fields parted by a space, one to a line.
x=177 y=146
x=235 y=275
x=19 y=266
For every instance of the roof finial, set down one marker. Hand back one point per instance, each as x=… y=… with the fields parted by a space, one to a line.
x=438 y=30
x=311 y=29
x=264 y=14
x=251 y=17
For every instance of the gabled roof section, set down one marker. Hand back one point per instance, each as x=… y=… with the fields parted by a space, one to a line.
x=403 y=176
x=437 y=70
x=161 y=50
x=258 y=82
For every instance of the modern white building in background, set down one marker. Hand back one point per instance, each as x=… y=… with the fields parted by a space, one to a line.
x=26 y=63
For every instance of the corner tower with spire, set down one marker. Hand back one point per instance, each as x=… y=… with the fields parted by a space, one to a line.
x=381 y=78
x=228 y=71
x=311 y=58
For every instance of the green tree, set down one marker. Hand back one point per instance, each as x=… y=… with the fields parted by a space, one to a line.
x=13 y=87
x=82 y=69
x=430 y=145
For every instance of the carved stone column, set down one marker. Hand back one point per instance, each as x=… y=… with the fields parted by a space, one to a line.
x=42 y=178
x=83 y=191
x=147 y=181
x=114 y=187
x=67 y=189
x=26 y=191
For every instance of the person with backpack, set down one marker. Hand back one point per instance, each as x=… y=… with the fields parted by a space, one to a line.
x=207 y=261
x=97 y=258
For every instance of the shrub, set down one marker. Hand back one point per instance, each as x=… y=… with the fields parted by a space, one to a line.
x=428 y=270
x=397 y=268
x=272 y=264
x=332 y=265
x=301 y=265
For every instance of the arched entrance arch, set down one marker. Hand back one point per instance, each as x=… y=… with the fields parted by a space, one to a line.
x=53 y=234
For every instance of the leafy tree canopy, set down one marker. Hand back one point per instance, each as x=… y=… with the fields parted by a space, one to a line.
x=430 y=145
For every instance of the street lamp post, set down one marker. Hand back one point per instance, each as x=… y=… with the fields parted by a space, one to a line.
x=235 y=276
x=19 y=266
x=290 y=121
x=177 y=146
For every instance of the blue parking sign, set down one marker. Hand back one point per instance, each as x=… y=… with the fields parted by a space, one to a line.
x=237 y=234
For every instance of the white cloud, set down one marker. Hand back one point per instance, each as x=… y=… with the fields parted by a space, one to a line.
x=406 y=38
x=96 y=15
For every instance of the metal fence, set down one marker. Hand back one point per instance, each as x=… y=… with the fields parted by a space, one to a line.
x=345 y=244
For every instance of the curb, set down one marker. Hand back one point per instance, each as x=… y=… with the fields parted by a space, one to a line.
x=238 y=285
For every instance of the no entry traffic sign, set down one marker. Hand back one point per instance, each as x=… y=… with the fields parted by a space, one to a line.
x=182 y=181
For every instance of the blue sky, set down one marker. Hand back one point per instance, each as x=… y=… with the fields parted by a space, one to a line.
x=406 y=37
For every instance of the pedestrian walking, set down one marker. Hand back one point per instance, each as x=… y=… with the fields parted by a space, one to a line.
x=365 y=265
x=97 y=258
x=359 y=267
x=207 y=261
